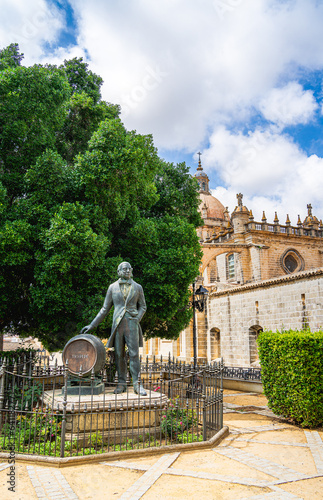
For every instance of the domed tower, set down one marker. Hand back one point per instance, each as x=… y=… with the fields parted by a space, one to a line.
x=202 y=178
x=211 y=209
x=310 y=221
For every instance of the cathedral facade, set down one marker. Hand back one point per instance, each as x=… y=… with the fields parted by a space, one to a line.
x=259 y=274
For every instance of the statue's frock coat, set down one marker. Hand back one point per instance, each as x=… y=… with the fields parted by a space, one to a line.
x=134 y=306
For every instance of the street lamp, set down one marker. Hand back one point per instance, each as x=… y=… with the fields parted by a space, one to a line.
x=198 y=302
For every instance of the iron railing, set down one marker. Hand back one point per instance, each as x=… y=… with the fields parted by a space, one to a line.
x=44 y=411
x=239 y=373
x=169 y=365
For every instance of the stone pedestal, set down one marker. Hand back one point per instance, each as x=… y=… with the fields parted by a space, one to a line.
x=85 y=388
x=113 y=417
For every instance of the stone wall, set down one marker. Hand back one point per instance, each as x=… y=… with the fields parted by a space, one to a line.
x=235 y=316
x=294 y=301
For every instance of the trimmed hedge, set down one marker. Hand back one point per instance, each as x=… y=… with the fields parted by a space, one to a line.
x=292 y=374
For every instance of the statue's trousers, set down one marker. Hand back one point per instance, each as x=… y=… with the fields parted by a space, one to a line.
x=127 y=334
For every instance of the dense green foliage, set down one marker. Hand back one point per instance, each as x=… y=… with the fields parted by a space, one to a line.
x=292 y=374
x=78 y=194
x=19 y=356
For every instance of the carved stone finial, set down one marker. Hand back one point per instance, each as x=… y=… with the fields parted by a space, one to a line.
x=287 y=221
x=239 y=197
x=309 y=209
x=263 y=217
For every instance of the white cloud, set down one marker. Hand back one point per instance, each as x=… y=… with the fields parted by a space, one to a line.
x=214 y=59
x=289 y=105
x=29 y=24
x=269 y=169
x=215 y=66
x=188 y=72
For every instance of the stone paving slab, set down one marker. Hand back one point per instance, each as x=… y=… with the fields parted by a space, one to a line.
x=296 y=458
x=272 y=468
x=278 y=443
x=290 y=435
x=276 y=495
x=310 y=489
x=211 y=463
x=256 y=429
x=187 y=488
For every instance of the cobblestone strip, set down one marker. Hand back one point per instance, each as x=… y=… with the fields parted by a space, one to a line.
x=273 y=469
x=4 y=466
x=316 y=446
x=240 y=394
x=257 y=428
x=283 y=443
x=139 y=488
x=233 y=406
x=50 y=484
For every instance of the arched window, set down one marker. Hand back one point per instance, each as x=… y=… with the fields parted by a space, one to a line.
x=203 y=186
x=230 y=266
x=253 y=346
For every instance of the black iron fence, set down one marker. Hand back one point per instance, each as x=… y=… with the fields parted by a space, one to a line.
x=44 y=411
x=41 y=363
x=238 y=373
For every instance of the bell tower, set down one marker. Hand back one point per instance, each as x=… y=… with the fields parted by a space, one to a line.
x=202 y=178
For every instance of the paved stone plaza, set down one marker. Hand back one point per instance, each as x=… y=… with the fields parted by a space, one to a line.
x=262 y=458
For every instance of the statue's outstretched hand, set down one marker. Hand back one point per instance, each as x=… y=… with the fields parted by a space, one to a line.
x=86 y=329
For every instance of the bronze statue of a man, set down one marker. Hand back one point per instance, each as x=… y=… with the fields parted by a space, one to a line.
x=129 y=303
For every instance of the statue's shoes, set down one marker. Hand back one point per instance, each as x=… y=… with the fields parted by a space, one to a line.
x=138 y=389
x=119 y=389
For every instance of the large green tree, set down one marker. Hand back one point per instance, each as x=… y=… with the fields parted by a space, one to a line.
x=79 y=194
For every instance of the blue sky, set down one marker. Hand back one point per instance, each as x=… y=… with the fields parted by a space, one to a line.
x=67 y=35
x=238 y=80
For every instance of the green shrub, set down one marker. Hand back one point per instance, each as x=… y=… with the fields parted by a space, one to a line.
x=36 y=432
x=188 y=437
x=175 y=420
x=292 y=374
x=24 y=397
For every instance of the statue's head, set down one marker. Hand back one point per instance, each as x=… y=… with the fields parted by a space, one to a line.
x=125 y=270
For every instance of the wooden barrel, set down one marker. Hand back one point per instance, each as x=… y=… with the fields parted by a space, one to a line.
x=84 y=352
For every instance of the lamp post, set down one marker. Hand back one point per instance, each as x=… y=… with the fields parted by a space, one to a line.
x=198 y=302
